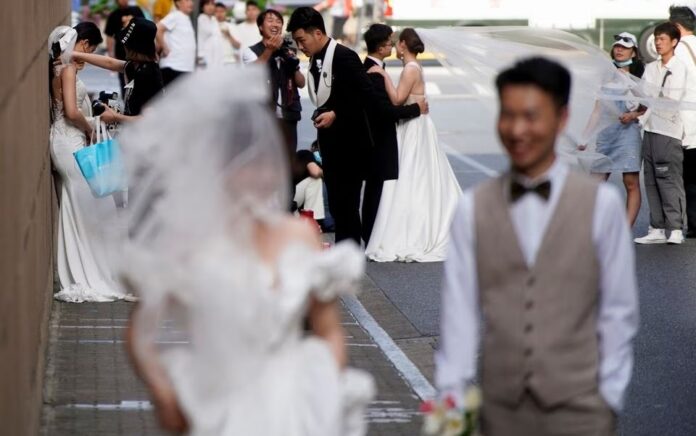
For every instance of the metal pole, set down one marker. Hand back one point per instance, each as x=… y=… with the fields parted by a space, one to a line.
x=601 y=33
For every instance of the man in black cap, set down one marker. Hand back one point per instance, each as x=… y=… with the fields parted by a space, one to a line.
x=118 y=19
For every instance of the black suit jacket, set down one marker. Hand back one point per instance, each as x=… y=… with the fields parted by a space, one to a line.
x=347 y=145
x=385 y=154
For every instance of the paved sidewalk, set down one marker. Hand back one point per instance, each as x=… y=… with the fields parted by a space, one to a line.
x=90 y=388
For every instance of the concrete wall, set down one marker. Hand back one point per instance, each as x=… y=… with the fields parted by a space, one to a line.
x=27 y=208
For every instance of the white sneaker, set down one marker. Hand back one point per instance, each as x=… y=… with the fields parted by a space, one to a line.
x=654 y=236
x=676 y=237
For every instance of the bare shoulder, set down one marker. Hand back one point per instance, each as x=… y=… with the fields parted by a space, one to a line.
x=295 y=229
x=68 y=71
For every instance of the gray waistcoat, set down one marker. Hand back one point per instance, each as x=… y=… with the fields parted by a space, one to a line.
x=539 y=323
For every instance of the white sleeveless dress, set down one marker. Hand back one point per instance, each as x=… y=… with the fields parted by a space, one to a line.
x=81 y=258
x=245 y=366
x=415 y=211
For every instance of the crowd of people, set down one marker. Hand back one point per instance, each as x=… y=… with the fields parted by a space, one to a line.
x=659 y=140
x=207 y=231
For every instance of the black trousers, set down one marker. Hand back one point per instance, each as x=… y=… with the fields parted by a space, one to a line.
x=290 y=133
x=169 y=75
x=370 y=206
x=343 y=189
x=689 y=172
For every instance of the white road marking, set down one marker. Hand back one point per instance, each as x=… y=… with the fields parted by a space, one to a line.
x=113 y=341
x=468 y=160
x=408 y=370
x=377 y=415
x=123 y=405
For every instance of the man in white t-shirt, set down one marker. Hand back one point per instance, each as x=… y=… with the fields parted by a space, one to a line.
x=177 y=42
x=684 y=18
x=247 y=32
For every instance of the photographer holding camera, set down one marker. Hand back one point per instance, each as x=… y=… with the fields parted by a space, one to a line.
x=284 y=71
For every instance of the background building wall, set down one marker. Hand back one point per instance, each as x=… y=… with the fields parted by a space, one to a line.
x=27 y=208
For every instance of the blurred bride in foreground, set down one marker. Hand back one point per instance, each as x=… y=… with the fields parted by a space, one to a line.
x=212 y=251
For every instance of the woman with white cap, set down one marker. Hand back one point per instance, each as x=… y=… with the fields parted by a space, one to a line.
x=619 y=138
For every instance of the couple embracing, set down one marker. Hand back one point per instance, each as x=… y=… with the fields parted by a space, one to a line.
x=411 y=190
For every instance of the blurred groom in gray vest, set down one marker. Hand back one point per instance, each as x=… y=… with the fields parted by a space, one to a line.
x=539 y=304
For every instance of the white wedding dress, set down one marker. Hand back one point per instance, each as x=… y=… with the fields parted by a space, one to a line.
x=415 y=211
x=81 y=256
x=246 y=367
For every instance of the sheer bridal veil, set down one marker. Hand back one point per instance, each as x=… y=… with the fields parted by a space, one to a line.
x=203 y=160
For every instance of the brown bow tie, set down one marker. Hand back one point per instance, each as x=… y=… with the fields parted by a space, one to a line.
x=517 y=190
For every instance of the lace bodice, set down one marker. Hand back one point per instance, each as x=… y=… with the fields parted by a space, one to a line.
x=83 y=105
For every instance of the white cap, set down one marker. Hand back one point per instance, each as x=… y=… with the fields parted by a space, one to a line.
x=625 y=39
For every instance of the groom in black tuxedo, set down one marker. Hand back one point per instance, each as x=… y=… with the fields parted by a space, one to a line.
x=384 y=159
x=346 y=100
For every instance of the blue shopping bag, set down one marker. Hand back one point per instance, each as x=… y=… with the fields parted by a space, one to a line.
x=101 y=164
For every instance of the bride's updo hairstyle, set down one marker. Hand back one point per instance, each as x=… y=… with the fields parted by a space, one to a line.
x=413 y=42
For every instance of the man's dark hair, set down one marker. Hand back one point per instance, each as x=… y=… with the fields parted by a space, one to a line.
x=220 y=5
x=262 y=16
x=668 y=29
x=252 y=3
x=549 y=76
x=307 y=19
x=682 y=15
x=89 y=31
x=376 y=36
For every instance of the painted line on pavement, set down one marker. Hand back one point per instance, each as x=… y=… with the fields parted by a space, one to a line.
x=450 y=151
x=123 y=405
x=408 y=370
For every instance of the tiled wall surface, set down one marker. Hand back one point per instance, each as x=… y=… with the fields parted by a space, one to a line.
x=27 y=208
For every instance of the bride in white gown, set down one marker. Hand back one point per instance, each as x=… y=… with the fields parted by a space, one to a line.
x=212 y=251
x=415 y=211
x=81 y=264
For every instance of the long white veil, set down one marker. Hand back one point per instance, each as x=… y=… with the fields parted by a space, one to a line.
x=203 y=160
x=473 y=56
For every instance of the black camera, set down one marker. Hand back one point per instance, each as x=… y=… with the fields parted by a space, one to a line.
x=109 y=99
x=288 y=54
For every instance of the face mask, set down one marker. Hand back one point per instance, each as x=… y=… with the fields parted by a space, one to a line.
x=623 y=63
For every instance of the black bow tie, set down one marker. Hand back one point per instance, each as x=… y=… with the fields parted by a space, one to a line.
x=517 y=190
x=384 y=65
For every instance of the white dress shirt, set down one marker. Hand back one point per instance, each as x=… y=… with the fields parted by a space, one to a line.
x=456 y=359
x=379 y=62
x=665 y=121
x=688 y=116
